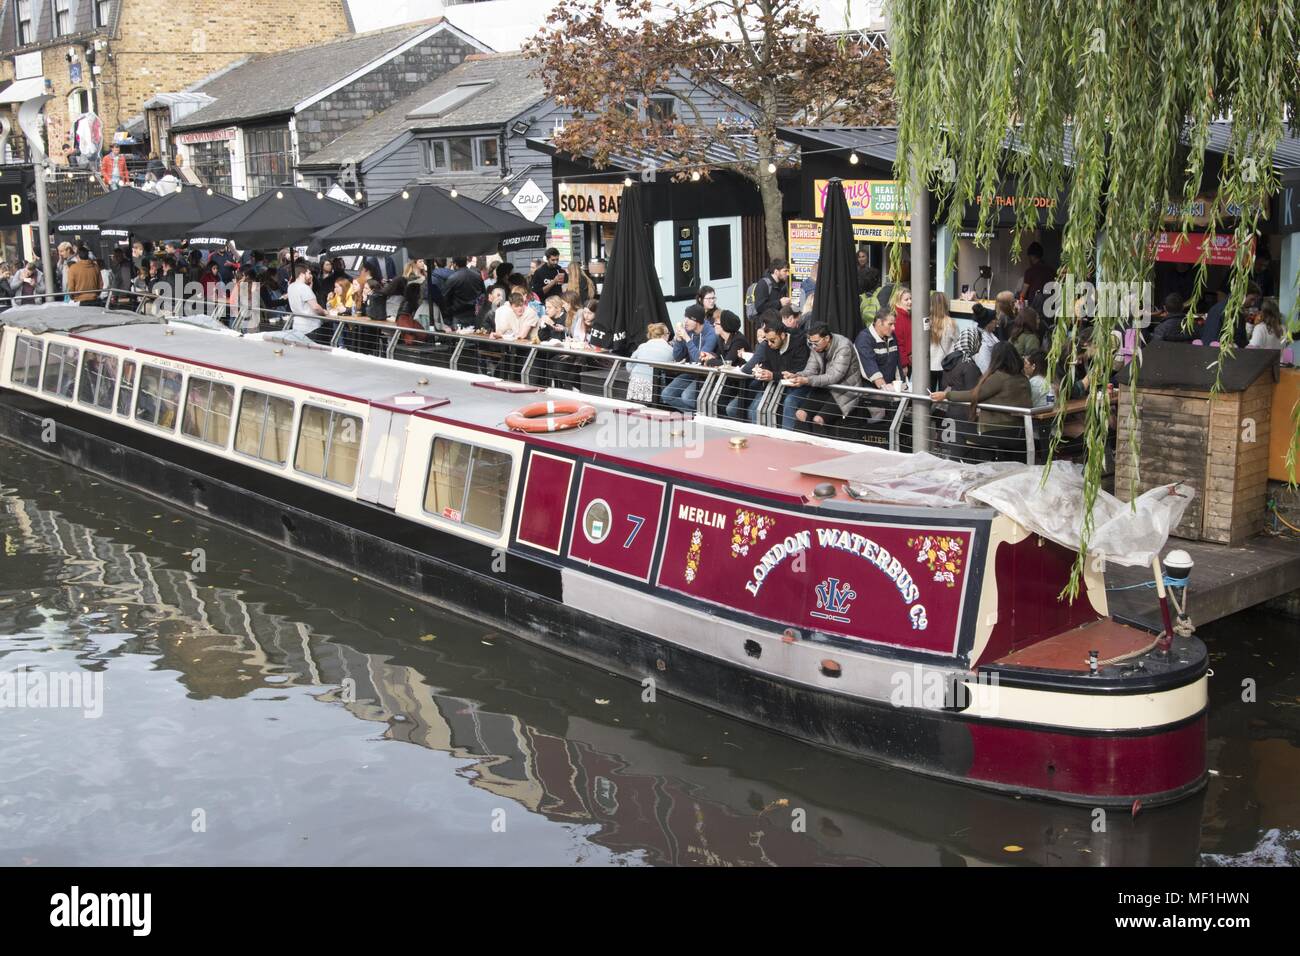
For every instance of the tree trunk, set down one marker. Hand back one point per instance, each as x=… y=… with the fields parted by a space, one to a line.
x=773 y=222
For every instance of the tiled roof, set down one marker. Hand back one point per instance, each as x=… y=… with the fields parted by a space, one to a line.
x=513 y=90
x=274 y=84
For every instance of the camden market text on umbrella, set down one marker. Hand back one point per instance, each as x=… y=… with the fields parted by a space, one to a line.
x=428 y=222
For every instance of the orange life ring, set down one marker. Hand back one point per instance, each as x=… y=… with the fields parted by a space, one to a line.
x=550 y=417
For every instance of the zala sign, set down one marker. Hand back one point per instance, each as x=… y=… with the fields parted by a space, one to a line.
x=530 y=201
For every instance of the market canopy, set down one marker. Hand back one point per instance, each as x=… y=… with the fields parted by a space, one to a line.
x=428 y=222
x=287 y=216
x=175 y=215
x=89 y=217
x=631 y=297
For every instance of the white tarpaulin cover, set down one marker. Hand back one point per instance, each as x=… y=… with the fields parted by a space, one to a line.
x=1124 y=534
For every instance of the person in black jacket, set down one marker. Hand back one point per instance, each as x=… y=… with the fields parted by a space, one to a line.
x=772 y=291
x=1172 y=328
x=461 y=291
x=782 y=356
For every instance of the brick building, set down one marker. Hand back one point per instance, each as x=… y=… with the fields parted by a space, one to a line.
x=267 y=113
x=110 y=56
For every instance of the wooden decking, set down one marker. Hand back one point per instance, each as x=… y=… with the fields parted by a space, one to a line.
x=1225 y=580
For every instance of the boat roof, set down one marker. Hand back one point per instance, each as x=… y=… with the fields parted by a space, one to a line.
x=772 y=464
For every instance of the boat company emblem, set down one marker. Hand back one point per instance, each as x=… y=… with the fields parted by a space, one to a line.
x=833 y=598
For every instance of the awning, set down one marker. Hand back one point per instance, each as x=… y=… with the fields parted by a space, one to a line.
x=20 y=91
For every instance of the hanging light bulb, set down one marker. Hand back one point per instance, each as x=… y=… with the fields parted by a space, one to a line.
x=564 y=187
x=405 y=194
x=771 y=167
x=358 y=195
x=505 y=190
x=695 y=175
x=319 y=194
x=853 y=158
x=279 y=194
x=454 y=194
x=209 y=190
x=627 y=180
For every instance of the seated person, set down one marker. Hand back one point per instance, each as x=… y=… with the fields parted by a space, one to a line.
x=1212 y=330
x=641 y=378
x=1003 y=384
x=1036 y=372
x=696 y=338
x=1172 y=328
x=783 y=355
x=832 y=360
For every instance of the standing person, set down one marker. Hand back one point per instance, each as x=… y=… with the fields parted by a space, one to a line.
x=771 y=291
x=323 y=284
x=462 y=291
x=304 y=307
x=1037 y=273
x=244 y=297
x=943 y=333
x=809 y=285
x=112 y=169
x=84 y=281
x=1003 y=384
x=67 y=256
x=120 y=270
x=409 y=302
x=548 y=278
x=988 y=320
x=1036 y=372
x=384 y=269
x=900 y=303
x=878 y=350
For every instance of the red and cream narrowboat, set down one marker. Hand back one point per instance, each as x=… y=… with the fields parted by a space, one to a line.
x=717 y=566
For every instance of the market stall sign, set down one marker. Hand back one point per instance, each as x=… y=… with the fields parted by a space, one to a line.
x=1199 y=210
x=804 y=241
x=530 y=201
x=686 y=277
x=205 y=136
x=1218 y=250
x=591 y=202
x=13 y=205
x=867 y=198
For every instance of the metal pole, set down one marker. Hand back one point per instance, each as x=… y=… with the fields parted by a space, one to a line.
x=29 y=120
x=921 y=286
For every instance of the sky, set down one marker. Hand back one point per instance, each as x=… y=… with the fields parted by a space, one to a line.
x=505 y=24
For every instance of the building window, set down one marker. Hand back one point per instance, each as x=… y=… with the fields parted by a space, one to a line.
x=268 y=159
x=28 y=352
x=103 y=9
x=60 y=370
x=208 y=408
x=62 y=17
x=468 y=484
x=328 y=444
x=211 y=163
x=98 y=380
x=126 y=391
x=719 y=253
x=159 y=397
x=24 y=15
x=661 y=109
x=265 y=427
x=462 y=154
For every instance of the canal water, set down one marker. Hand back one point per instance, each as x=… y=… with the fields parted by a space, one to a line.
x=241 y=704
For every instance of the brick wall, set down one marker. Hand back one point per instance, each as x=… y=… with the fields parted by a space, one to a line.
x=162 y=46
x=323 y=122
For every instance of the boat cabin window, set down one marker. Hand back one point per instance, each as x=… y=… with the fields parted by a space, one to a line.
x=126 y=390
x=468 y=484
x=265 y=427
x=328 y=445
x=159 y=397
x=98 y=380
x=28 y=352
x=209 y=407
x=60 y=370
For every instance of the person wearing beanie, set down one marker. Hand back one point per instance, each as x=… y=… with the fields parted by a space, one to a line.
x=731 y=341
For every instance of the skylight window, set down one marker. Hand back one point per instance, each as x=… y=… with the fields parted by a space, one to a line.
x=452 y=99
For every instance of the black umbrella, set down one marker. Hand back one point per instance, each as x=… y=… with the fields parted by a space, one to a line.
x=88 y=218
x=429 y=222
x=287 y=216
x=172 y=217
x=835 y=300
x=631 y=297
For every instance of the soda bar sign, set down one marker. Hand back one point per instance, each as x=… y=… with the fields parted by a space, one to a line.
x=873 y=582
x=591 y=202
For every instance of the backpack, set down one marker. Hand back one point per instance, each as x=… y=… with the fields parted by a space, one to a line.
x=751 y=297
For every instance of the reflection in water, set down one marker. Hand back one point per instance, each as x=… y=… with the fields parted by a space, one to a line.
x=236 y=674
